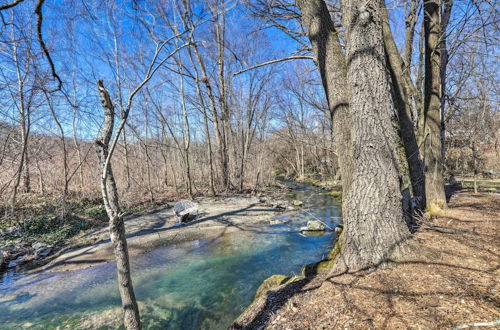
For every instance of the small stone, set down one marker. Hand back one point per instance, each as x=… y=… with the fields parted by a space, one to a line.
x=297 y=203
x=17 y=261
x=38 y=245
x=279 y=205
x=43 y=251
x=276 y=222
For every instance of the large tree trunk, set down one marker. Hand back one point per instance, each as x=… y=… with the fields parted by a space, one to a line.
x=131 y=318
x=433 y=161
x=374 y=228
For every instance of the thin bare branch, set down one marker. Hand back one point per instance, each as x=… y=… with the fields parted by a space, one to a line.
x=274 y=61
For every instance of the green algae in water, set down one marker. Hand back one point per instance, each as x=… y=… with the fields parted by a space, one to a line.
x=203 y=284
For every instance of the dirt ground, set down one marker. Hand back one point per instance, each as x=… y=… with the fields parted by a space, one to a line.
x=453 y=283
x=160 y=227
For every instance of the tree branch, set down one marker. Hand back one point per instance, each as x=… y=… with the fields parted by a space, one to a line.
x=274 y=61
x=10 y=5
x=38 y=12
x=149 y=74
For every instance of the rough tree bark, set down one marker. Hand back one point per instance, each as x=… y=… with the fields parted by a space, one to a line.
x=330 y=60
x=109 y=191
x=431 y=130
x=374 y=228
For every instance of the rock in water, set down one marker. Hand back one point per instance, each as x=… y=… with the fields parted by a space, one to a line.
x=315 y=225
x=297 y=203
x=339 y=229
x=312 y=233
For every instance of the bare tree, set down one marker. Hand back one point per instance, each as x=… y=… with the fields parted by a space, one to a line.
x=131 y=318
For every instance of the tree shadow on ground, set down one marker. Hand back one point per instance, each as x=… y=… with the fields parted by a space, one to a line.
x=452 y=280
x=157 y=227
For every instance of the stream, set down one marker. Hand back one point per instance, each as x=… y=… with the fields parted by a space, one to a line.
x=202 y=284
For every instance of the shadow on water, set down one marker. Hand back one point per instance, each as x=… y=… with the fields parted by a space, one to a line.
x=199 y=284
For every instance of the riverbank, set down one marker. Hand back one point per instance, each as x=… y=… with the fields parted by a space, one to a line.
x=197 y=284
x=453 y=282
x=146 y=230
x=217 y=216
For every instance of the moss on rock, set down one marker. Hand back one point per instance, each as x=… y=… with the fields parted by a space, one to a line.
x=326 y=264
x=271 y=283
x=336 y=194
x=336 y=248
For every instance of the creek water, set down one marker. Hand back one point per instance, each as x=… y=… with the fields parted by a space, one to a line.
x=203 y=284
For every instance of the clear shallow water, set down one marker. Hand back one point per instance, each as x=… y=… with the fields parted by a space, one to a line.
x=203 y=284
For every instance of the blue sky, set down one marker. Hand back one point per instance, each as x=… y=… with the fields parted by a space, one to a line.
x=87 y=27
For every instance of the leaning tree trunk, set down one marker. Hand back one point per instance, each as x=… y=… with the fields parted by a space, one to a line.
x=403 y=103
x=434 y=184
x=374 y=228
x=131 y=318
x=331 y=64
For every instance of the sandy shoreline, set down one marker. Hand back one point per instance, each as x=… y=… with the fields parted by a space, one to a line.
x=146 y=232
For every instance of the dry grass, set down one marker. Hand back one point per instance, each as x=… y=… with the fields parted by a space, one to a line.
x=454 y=280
